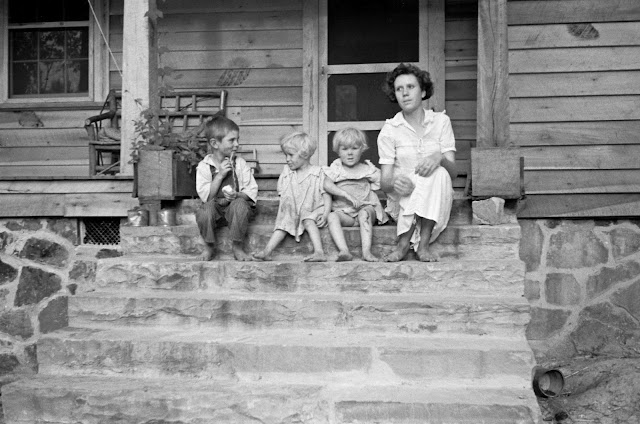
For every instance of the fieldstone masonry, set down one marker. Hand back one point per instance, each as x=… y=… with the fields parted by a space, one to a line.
x=583 y=283
x=40 y=265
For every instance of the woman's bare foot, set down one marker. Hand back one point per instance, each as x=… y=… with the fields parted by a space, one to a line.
x=397 y=255
x=344 y=257
x=316 y=257
x=262 y=256
x=239 y=253
x=426 y=256
x=369 y=257
x=208 y=253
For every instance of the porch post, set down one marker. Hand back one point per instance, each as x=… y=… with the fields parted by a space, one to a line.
x=140 y=71
x=496 y=166
x=493 y=74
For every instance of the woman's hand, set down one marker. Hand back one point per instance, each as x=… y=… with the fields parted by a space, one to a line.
x=429 y=164
x=403 y=185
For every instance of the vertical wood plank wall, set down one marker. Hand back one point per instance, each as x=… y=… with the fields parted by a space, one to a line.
x=574 y=88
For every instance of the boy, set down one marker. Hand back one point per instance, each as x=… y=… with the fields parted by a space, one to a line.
x=226 y=185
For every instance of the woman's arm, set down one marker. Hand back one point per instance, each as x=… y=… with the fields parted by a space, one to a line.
x=448 y=162
x=402 y=184
x=386 y=178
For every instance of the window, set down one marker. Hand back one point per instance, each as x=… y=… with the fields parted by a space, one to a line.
x=49 y=53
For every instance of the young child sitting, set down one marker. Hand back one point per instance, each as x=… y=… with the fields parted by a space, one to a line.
x=359 y=180
x=225 y=184
x=305 y=202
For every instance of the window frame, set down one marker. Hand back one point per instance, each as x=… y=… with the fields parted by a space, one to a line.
x=98 y=60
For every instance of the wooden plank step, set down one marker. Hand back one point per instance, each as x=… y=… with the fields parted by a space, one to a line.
x=390 y=313
x=183 y=274
x=102 y=399
x=282 y=356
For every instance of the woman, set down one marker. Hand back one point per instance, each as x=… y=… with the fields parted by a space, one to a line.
x=417 y=160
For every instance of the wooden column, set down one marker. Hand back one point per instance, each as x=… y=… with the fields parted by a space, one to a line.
x=493 y=74
x=433 y=25
x=140 y=71
x=310 y=65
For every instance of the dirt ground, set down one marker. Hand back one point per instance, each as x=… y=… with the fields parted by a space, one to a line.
x=602 y=390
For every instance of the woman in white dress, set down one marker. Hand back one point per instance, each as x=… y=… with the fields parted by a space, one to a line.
x=417 y=160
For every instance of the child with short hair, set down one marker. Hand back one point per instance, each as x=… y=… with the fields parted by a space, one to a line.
x=305 y=202
x=359 y=180
x=226 y=186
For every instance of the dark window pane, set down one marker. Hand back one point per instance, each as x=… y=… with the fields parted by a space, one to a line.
x=25 y=78
x=50 y=11
x=77 y=72
x=76 y=10
x=365 y=31
x=23 y=11
x=24 y=45
x=52 y=45
x=52 y=77
x=78 y=43
x=358 y=97
x=371 y=154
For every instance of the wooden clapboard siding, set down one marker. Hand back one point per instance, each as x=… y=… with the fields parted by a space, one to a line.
x=572 y=11
x=576 y=133
x=461 y=53
x=575 y=104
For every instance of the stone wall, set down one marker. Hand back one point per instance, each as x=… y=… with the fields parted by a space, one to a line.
x=40 y=265
x=583 y=283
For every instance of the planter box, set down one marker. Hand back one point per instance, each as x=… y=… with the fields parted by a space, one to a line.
x=161 y=176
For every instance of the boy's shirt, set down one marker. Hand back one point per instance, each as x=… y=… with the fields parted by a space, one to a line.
x=246 y=183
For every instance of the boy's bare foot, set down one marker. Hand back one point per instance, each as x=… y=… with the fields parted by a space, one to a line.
x=369 y=257
x=344 y=257
x=397 y=255
x=316 y=257
x=426 y=256
x=208 y=253
x=239 y=253
x=261 y=256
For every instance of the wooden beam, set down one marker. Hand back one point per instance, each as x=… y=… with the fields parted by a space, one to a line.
x=140 y=70
x=493 y=74
x=434 y=23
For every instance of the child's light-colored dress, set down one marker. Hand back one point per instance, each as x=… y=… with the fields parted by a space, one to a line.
x=300 y=199
x=360 y=184
x=399 y=145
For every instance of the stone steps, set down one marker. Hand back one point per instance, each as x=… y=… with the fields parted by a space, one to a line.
x=455 y=242
x=393 y=313
x=183 y=274
x=281 y=356
x=49 y=399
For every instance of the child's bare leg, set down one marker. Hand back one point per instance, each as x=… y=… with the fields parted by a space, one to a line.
x=208 y=253
x=404 y=243
x=423 y=253
x=365 y=220
x=314 y=233
x=336 y=221
x=274 y=241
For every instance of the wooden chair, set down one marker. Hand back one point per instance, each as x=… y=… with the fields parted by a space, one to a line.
x=181 y=109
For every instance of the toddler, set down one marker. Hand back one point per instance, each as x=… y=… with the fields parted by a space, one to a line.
x=305 y=202
x=359 y=180
x=226 y=186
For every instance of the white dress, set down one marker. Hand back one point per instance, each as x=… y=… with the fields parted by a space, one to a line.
x=399 y=145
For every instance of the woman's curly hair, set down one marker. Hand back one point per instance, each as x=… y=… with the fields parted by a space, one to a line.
x=406 y=68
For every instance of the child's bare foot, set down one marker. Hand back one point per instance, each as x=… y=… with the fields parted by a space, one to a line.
x=344 y=257
x=316 y=257
x=397 y=255
x=208 y=253
x=369 y=257
x=240 y=254
x=262 y=256
x=426 y=256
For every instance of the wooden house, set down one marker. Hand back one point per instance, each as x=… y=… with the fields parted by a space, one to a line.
x=555 y=82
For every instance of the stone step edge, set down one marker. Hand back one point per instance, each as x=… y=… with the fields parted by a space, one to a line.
x=304 y=337
x=500 y=390
x=225 y=295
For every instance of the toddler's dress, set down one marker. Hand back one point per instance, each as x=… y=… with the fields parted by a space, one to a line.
x=360 y=184
x=300 y=199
